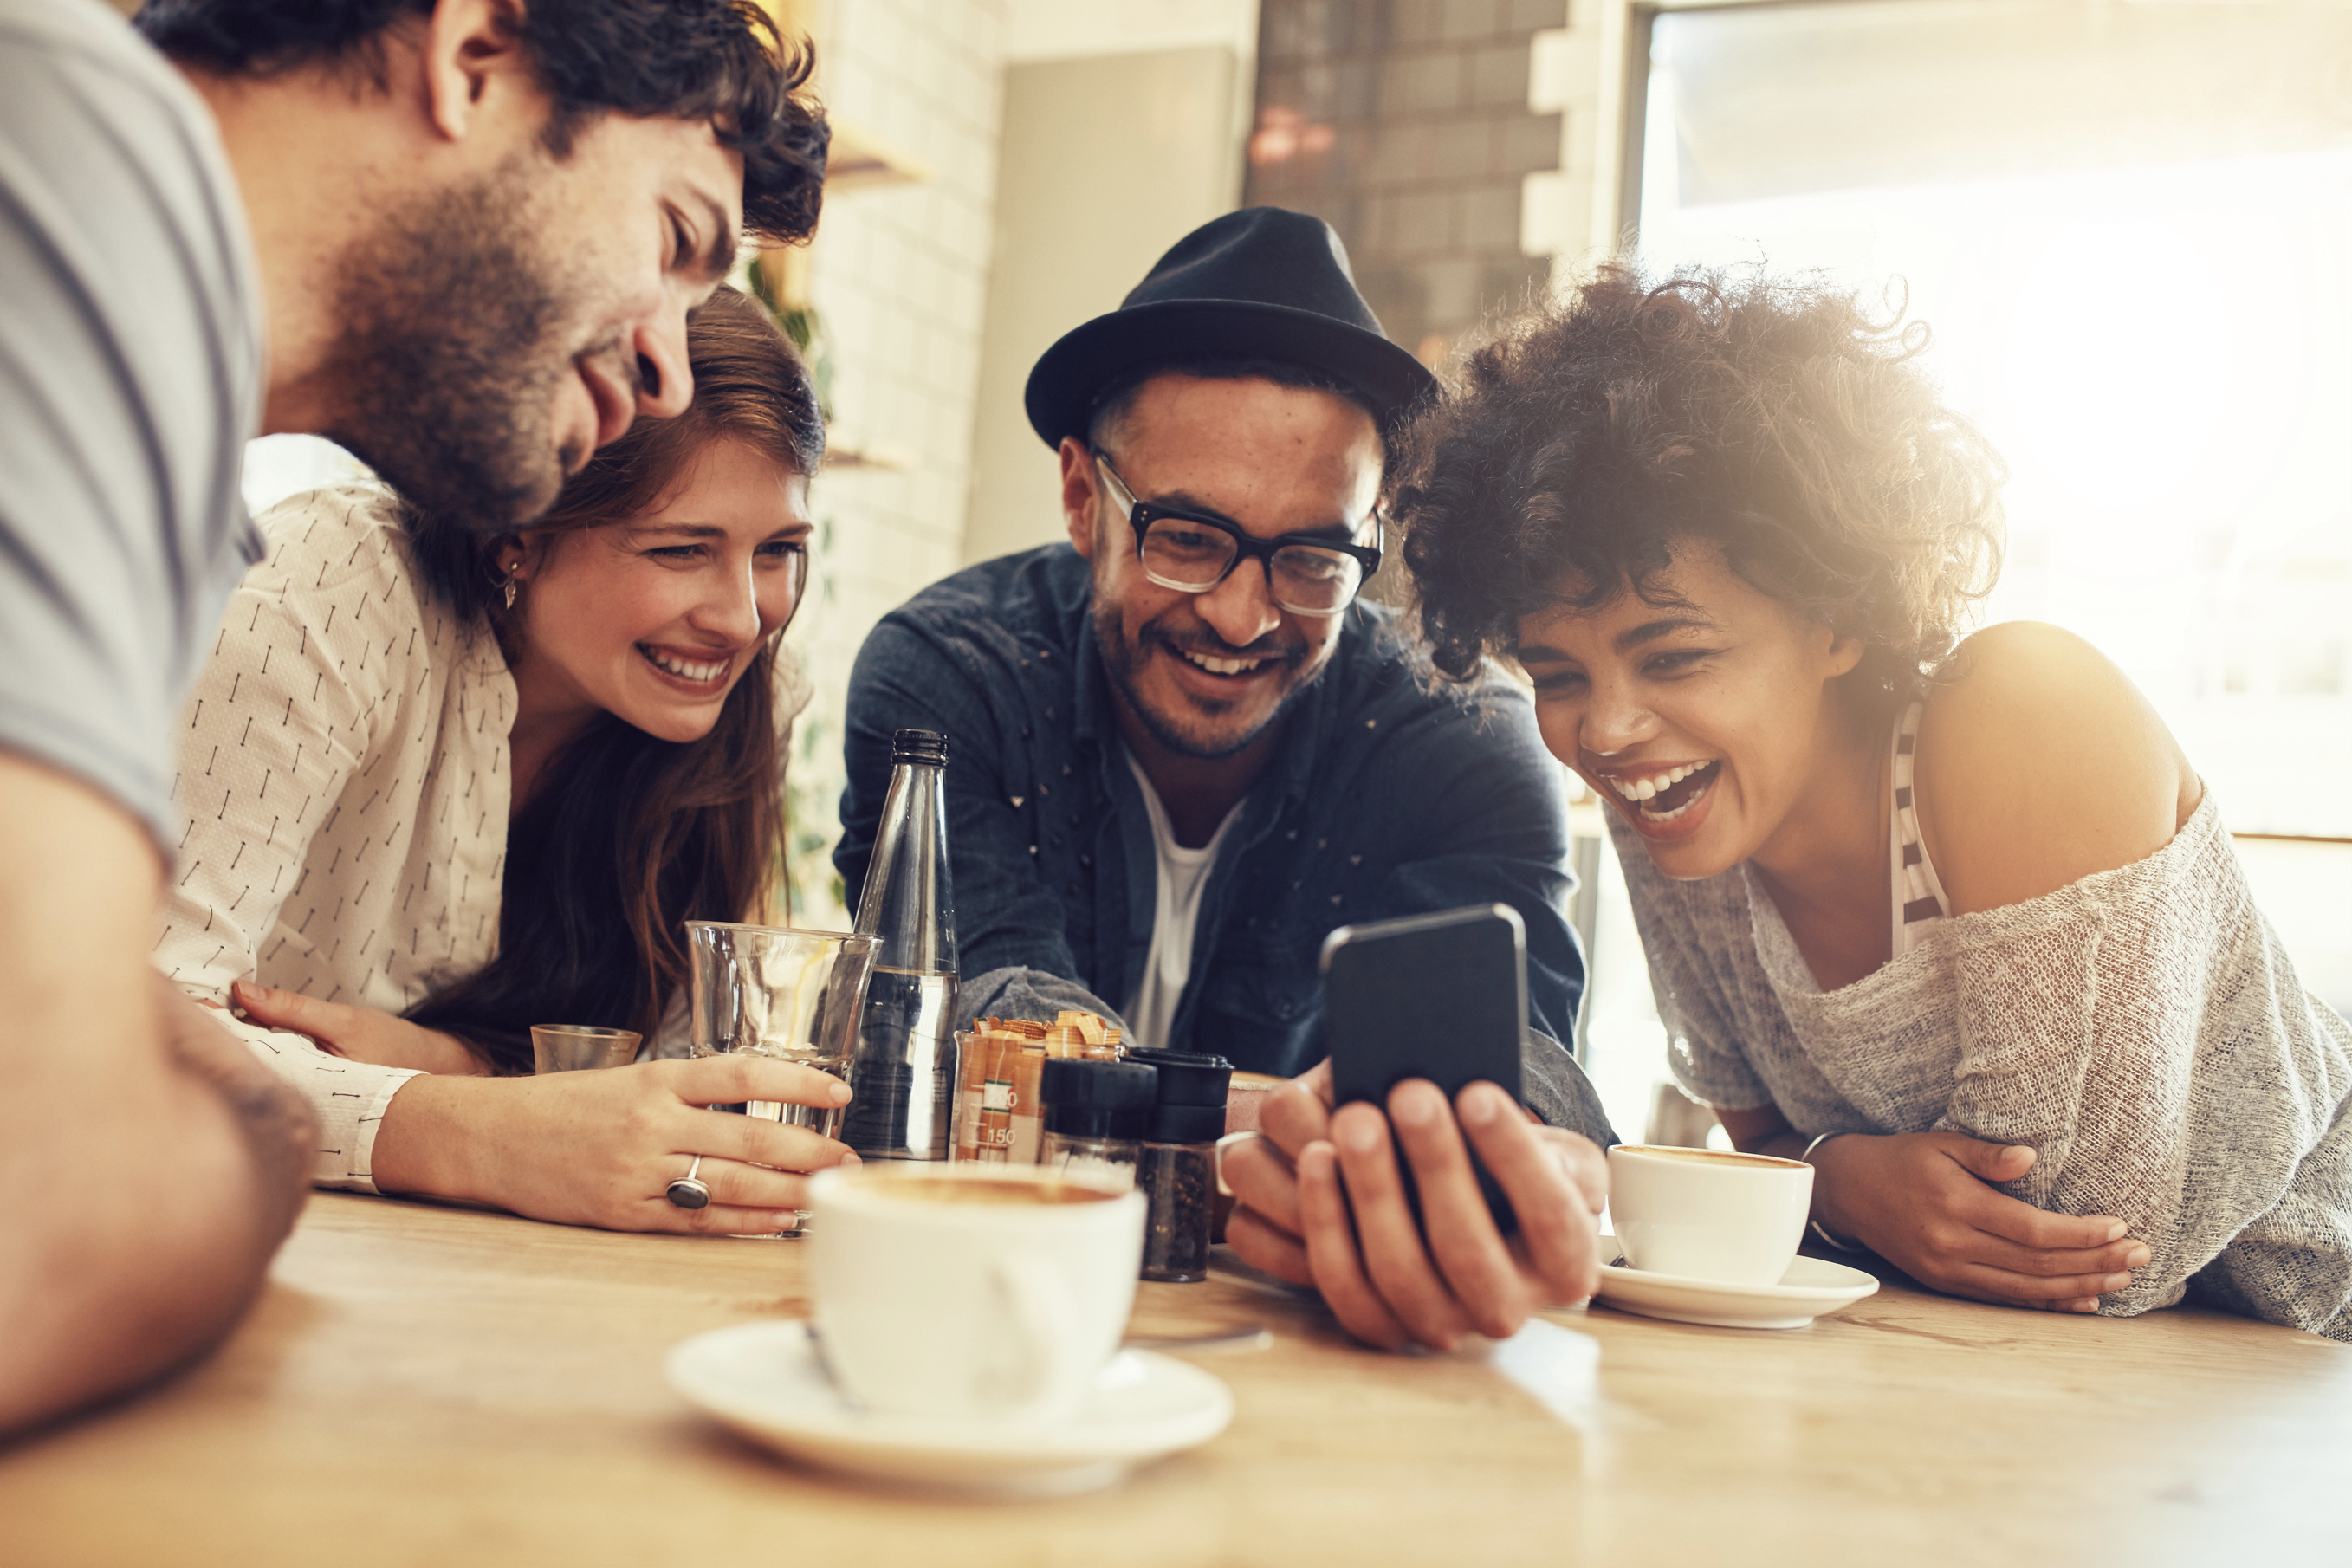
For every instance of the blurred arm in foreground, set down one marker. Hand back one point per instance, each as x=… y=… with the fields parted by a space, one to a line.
x=149 y=1166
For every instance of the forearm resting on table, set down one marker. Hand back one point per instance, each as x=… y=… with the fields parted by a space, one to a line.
x=438 y=1134
x=1932 y=1203
x=149 y=1167
x=1767 y=1132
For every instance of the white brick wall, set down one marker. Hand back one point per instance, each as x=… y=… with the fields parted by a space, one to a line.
x=899 y=274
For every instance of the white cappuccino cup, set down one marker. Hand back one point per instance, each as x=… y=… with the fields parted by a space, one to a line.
x=1708 y=1213
x=975 y=1292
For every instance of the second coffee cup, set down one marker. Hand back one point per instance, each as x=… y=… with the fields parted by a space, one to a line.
x=1708 y=1213
x=975 y=1292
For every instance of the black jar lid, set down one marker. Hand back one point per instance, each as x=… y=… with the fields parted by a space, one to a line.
x=1188 y=1079
x=1098 y=1099
x=918 y=746
x=1186 y=1123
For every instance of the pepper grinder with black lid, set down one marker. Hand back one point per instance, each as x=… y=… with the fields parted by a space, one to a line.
x=1176 y=1166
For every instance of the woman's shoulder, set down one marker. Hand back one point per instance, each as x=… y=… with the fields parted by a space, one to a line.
x=326 y=540
x=2040 y=763
x=339 y=570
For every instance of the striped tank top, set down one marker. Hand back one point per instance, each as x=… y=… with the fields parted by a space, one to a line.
x=1919 y=900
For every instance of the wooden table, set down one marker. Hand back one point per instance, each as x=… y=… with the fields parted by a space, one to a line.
x=427 y=1386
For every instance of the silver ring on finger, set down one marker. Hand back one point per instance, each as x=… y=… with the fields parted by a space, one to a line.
x=687 y=1192
x=1229 y=1142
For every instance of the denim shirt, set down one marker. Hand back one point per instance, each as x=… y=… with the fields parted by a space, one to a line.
x=1384 y=797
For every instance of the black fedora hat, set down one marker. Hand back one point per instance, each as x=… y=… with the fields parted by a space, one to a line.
x=1261 y=283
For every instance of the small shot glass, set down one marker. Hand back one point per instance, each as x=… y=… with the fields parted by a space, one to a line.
x=575 y=1047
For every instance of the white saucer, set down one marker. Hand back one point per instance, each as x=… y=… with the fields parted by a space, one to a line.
x=762 y=1380
x=1811 y=1288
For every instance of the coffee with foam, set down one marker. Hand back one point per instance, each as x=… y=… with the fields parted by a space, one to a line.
x=995 y=1193
x=1708 y=1213
x=1710 y=1156
x=978 y=1292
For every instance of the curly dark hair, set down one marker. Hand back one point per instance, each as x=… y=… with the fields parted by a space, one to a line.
x=1774 y=417
x=720 y=61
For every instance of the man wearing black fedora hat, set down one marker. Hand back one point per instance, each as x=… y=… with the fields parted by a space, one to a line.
x=1183 y=749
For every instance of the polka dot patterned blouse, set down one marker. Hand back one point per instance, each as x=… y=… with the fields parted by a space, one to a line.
x=343 y=776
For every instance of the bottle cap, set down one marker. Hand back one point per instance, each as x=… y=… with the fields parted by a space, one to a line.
x=1097 y=1100
x=918 y=746
x=1187 y=1078
x=1185 y=1123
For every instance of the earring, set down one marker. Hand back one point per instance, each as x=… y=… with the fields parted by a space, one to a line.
x=512 y=590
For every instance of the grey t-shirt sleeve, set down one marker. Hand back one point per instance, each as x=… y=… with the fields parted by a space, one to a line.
x=130 y=371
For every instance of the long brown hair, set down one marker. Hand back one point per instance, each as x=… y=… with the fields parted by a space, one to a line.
x=630 y=837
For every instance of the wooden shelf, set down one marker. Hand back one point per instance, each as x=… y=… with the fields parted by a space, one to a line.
x=862 y=163
x=843 y=452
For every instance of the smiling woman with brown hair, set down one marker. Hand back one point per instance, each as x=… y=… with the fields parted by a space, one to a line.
x=1954 y=920
x=445 y=785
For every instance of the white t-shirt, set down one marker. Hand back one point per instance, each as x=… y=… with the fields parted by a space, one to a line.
x=1183 y=874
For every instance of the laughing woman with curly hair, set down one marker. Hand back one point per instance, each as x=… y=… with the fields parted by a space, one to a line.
x=1956 y=921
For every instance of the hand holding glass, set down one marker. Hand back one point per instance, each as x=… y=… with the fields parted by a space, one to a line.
x=794 y=995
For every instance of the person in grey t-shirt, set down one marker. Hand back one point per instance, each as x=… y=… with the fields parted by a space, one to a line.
x=470 y=239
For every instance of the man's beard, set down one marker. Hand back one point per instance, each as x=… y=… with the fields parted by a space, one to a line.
x=451 y=354
x=1124 y=661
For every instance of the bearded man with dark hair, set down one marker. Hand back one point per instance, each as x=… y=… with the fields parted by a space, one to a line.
x=476 y=348
x=470 y=233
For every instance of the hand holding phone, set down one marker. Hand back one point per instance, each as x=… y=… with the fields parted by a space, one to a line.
x=1320 y=1204
x=1440 y=996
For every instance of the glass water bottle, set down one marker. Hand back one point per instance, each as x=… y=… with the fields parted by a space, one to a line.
x=904 y=1070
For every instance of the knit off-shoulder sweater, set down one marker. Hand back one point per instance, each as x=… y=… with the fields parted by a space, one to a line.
x=2141 y=1029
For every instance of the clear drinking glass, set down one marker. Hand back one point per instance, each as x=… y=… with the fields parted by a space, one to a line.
x=795 y=995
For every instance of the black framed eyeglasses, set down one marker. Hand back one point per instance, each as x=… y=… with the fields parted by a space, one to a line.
x=1305 y=574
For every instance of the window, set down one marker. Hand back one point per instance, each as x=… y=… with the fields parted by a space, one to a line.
x=2130 y=228
x=2129 y=225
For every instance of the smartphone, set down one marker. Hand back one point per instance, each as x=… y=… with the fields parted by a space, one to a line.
x=1440 y=996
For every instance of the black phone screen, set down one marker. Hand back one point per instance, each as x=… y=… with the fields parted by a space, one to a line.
x=1440 y=996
